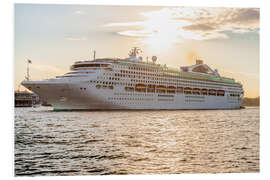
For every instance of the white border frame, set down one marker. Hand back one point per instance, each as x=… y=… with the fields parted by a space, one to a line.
x=7 y=79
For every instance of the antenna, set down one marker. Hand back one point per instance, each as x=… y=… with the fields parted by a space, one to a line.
x=94 y=54
x=28 y=75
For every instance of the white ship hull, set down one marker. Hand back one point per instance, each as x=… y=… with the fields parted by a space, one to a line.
x=67 y=96
x=131 y=83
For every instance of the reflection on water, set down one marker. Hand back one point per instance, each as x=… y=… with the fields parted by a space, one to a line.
x=135 y=142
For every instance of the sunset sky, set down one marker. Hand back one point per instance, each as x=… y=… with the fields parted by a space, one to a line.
x=55 y=36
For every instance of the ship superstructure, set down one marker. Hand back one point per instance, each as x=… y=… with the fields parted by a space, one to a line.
x=131 y=83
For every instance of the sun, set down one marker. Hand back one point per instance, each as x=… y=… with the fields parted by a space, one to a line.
x=163 y=31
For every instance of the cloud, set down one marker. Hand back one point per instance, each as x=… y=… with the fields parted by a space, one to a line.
x=199 y=27
x=192 y=23
x=250 y=16
x=236 y=20
x=136 y=33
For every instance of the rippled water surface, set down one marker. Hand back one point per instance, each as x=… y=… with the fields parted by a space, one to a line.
x=135 y=142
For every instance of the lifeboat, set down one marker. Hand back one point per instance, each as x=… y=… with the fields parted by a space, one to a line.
x=161 y=89
x=171 y=89
x=196 y=91
x=140 y=88
x=212 y=92
x=204 y=91
x=129 y=88
x=105 y=87
x=220 y=92
x=187 y=90
x=151 y=88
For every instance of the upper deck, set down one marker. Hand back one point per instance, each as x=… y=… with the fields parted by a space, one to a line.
x=197 y=71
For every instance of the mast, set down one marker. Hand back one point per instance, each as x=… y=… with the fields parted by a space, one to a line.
x=28 y=74
x=19 y=87
x=134 y=52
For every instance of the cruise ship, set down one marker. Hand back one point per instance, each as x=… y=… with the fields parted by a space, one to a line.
x=131 y=83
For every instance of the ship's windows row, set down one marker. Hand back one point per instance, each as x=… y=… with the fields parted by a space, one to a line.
x=113 y=78
x=172 y=80
x=124 y=83
x=195 y=97
x=163 y=95
x=110 y=83
x=160 y=88
x=133 y=94
x=79 y=72
x=104 y=87
x=235 y=95
x=142 y=69
x=124 y=99
x=172 y=90
x=194 y=100
x=165 y=99
x=89 y=65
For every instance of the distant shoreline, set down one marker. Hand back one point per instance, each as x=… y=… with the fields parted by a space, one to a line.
x=251 y=102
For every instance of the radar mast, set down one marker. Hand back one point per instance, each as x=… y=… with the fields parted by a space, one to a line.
x=134 y=52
